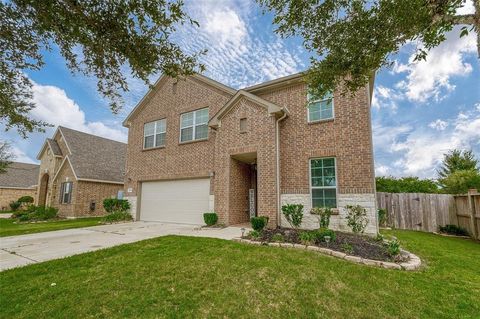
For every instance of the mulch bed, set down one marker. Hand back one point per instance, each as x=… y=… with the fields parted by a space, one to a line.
x=362 y=246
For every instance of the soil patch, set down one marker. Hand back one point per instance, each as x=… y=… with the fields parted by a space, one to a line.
x=348 y=243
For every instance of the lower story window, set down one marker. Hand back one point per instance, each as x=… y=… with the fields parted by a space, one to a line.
x=66 y=193
x=324 y=182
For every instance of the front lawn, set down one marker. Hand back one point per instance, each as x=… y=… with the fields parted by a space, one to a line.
x=11 y=227
x=186 y=277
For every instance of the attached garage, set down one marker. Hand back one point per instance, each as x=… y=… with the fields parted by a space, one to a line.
x=177 y=201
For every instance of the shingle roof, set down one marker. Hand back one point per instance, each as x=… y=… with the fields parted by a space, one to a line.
x=54 y=147
x=20 y=175
x=95 y=157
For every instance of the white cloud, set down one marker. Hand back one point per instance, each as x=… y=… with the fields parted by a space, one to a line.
x=382 y=170
x=467 y=8
x=53 y=106
x=237 y=55
x=21 y=156
x=432 y=78
x=384 y=97
x=438 y=125
x=419 y=152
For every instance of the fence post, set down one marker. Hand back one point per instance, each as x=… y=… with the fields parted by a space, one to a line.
x=471 y=208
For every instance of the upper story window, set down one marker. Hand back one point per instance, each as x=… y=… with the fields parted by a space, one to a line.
x=320 y=108
x=154 y=134
x=323 y=182
x=66 y=193
x=194 y=125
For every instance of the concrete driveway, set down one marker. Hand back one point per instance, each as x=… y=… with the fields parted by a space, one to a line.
x=22 y=250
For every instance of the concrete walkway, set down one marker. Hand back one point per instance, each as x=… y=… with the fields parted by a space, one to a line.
x=22 y=250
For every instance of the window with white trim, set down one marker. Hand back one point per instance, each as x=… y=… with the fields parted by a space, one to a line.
x=66 y=193
x=323 y=182
x=194 y=125
x=320 y=108
x=154 y=134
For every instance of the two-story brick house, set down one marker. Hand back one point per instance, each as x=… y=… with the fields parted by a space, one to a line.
x=196 y=145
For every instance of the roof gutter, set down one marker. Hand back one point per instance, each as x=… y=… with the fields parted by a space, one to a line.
x=277 y=175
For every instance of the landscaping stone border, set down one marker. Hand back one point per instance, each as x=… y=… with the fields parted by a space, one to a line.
x=413 y=262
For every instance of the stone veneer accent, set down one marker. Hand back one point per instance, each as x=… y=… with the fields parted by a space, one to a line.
x=133 y=205
x=337 y=222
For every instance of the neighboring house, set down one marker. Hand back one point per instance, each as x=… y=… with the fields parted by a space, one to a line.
x=195 y=145
x=19 y=180
x=78 y=171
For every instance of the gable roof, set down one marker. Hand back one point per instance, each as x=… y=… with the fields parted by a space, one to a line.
x=276 y=83
x=20 y=175
x=156 y=85
x=94 y=158
x=269 y=106
x=53 y=145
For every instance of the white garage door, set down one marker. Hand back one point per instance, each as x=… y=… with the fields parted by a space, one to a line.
x=180 y=201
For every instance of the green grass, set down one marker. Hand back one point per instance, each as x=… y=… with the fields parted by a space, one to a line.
x=186 y=277
x=9 y=227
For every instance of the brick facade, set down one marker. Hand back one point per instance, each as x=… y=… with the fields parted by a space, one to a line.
x=8 y=195
x=55 y=170
x=347 y=138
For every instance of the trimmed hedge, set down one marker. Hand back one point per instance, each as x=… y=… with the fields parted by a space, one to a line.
x=210 y=218
x=259 y=223
x=25 y=199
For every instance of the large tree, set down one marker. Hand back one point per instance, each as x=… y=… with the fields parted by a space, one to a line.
x=96 y=38
x=351 y=39
x=457 y=160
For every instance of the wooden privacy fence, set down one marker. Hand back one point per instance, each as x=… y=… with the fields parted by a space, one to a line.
x=427 y=212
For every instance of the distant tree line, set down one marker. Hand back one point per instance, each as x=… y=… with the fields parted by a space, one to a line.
x=458 y=173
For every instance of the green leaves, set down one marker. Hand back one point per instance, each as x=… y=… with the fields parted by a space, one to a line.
x=106 y=39
x=351 y=39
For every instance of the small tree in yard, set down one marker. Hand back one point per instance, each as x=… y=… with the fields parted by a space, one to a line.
x=357 y=218
x=293 y=214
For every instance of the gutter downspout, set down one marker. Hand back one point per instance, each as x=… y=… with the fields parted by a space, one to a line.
x=277 y=141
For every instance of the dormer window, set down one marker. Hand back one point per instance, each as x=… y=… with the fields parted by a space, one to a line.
x=320 y=109
x=194 y=125
x=154 y=134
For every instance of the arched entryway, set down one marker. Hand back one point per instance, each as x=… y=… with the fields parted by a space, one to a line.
x=43 y=190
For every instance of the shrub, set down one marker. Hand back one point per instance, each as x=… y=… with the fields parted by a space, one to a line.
x=323 y=214
x=36 y=213
x=210 y=218
x=259 y=223
x=347 y=248
x=117 y=216
x=393 y=247
x=278 y=238
x=254 y=234
x=307 y=237
x=322 y=232
x=357 y=218
x=382 y=217
x=293 y=214
x=25 y=199
x=42 y=212
x=15 y=205
x=114 y=205
x=454 y=230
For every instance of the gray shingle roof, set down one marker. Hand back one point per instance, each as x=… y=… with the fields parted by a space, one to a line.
x=20 y=175
x=54 y=147
x=95 y=157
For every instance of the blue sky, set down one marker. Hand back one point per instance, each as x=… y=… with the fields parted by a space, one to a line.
x=420 y=110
